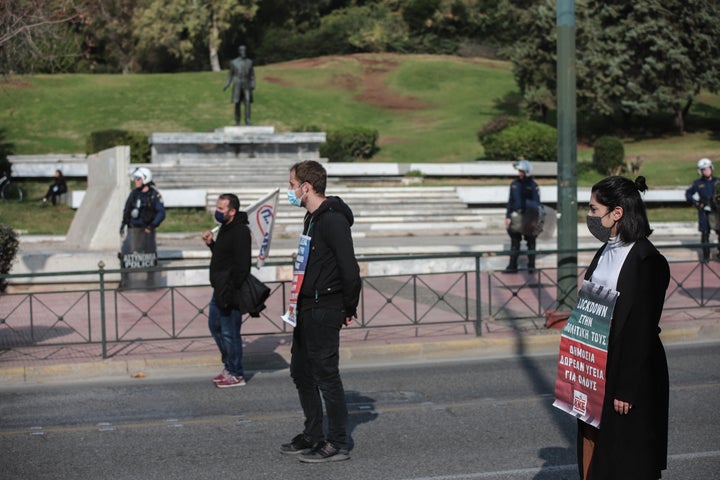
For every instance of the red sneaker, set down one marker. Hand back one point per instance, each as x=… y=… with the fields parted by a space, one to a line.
x=220 y=376
x=230 y=381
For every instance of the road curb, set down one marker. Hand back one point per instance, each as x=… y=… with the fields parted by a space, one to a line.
x=522 y=343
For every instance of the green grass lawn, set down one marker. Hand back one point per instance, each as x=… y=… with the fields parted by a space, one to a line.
x=427 y=109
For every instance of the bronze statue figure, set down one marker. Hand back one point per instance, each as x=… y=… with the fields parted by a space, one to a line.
x=242 y=76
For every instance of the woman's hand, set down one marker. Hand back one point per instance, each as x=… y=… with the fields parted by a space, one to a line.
x=622 y=407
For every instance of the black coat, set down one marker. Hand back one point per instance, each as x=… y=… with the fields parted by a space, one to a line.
x=332 y=274
x=231 y=261
x=634 y=446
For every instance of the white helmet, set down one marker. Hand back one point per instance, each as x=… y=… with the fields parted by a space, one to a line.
x=523 y=165
x=144 y=173
x=704 y=163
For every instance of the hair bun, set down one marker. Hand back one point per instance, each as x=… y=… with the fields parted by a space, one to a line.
x=640 y=184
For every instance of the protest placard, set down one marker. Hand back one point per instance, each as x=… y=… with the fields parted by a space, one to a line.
x=580 y=384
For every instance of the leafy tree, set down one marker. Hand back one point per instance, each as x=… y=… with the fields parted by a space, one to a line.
x=38 y=35
x=109 y=39
x=634 y=59
x=418 y=14
x=297 y=15
x=182 y=28
x=673 y=53
x=367 y=28
x=534 y=54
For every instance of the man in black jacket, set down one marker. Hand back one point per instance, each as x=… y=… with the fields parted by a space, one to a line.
x=229 y=266
x=327 y=299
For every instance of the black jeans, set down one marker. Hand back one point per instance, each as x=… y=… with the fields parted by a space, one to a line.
x=314 y=369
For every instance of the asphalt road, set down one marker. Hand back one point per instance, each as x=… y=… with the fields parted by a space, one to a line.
x=474 y=419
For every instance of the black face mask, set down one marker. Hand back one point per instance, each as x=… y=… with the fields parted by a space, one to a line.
x=597 y=229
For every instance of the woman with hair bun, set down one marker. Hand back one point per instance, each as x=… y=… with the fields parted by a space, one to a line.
x=631 y=442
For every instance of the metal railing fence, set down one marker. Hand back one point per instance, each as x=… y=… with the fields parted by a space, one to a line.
x=397 y=291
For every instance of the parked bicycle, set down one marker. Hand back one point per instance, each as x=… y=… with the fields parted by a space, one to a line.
x=10 y=191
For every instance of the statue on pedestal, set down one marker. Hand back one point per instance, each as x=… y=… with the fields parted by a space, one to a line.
x=242 y=77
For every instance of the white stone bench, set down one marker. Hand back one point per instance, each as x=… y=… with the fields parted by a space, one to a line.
x=172 y=198
x=548 y=194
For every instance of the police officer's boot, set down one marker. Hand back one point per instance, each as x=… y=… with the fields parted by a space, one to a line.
x=531 y=257
x=705 y=239
x=514 y=253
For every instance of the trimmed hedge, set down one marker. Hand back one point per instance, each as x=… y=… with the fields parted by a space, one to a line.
x=529 y=140
x=8 y=249
x=347 y=144
x=103 y=139
x=609 y=155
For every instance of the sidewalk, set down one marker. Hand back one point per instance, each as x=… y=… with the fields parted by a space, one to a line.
x=359 y=347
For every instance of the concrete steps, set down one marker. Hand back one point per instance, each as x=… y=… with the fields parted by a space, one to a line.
x=395 y=210
x=391 y=210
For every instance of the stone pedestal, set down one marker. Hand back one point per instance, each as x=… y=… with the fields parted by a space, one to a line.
x=234 y=143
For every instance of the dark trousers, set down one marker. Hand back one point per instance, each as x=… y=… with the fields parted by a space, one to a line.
x=314 y=368
x=705 y=239
x=515 y=239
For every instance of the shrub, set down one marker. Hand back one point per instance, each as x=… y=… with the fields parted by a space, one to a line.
x=6 y=148
x=609 y=156
x=530 y=140
x=308 y=128
x=347 y=144
x=8 y=249
x=103 y=139
x=496 y=125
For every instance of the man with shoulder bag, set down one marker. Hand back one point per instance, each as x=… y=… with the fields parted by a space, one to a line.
x=229 y=269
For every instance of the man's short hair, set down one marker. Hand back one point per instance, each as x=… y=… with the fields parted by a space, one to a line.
x=312 y=172
x=233 y=201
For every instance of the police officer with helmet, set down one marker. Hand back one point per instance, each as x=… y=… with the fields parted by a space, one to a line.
x=143 y=213
x=700 y=194
x=524 y=201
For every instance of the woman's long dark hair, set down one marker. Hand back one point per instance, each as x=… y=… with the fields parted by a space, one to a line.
x=623 y=192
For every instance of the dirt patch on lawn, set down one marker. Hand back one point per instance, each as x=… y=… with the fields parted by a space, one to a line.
x=370 y=82
x=277 y=81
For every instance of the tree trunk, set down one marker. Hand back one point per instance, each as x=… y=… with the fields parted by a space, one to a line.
x=679 y=120
x=213 y=43
x=681 y=115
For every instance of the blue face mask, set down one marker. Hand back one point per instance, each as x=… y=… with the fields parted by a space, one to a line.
x=293 y=199
x=219 y=217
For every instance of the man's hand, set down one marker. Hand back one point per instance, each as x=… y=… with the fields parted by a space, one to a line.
x=348 y=321
x=207 y=237
x=122 y=230
x=507 y=223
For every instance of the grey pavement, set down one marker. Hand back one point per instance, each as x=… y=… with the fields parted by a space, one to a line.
x=359 y=346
